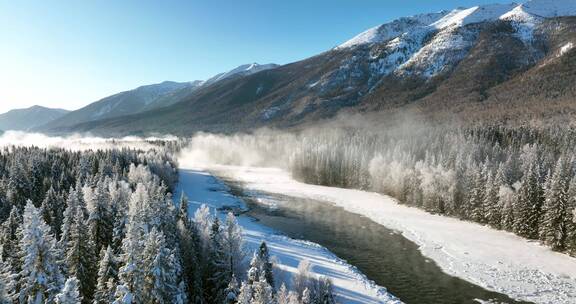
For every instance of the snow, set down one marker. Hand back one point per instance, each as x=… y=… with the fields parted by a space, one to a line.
x=392 y=30
x=244 y=70
x=548 y=8
x=496 y=260
x=566 y=48
x=350 y=285
x=476 y=14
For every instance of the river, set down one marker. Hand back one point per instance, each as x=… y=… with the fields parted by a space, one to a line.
x=383 y=255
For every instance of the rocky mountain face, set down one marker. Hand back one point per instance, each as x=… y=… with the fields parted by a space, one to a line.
x=29 y=118
x=501 y=61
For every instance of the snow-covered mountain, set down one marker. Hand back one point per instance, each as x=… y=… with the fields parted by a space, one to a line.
x=466 y=58
x=29 y=118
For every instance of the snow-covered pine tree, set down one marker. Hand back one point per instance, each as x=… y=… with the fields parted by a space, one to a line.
x=477 y=196
x=282 y=295
x=41 y=276
x=183 y=217
x=7 y=284
x=246 y=294
x=232 y=292
x=107 y=276
x=80 y=256
x=528 y=207
x=265 y=264
x=74 y=202
x=553 y=225
x=119 y=195
x=492 y=208
x=203 y=221
x=189 y=254
x=262 y=292
x=52 y=209
x=232 y=242
x=18 y=188
x=9 y=239
x=70 y=293
x=100 y=220
x=301 y=280
x=218 y=272
x=324 y=293
x=570 y=242
x=161 y=270
x=130 y=275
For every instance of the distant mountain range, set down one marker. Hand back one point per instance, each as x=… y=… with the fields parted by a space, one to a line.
x=503 y=62
x=30 y=118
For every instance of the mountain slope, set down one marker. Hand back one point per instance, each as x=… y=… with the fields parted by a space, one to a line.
x=147 y=98
x=458 y=64
x=29 y=118
x=123 y=103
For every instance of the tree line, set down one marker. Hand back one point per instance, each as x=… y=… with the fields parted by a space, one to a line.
x=518 y=179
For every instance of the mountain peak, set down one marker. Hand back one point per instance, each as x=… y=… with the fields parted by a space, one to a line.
x=242 y=70
x=393 y=29
x=476 y=14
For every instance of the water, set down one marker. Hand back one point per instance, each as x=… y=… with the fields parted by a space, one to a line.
x=381 y=254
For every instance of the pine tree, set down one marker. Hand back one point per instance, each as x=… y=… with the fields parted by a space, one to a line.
x=232 y=292
x=324 y=292
x=301 y=280
x=265 y=264
x=107 y=276
x=100 y=219
x=477 y=197
x=189 y=255
x=73 y=204
x=570 y=219
x=130 y=275
x=80 y=255
x=18 y=188
x=41 y=276
x=507 y=199
x=492 y=208
x=553 y=227
x=262 y=291
x=246 y=294
x=70 y=293
x=232 y=242
x=7 y=284
x=160 y=270
x=527 y=210
x=219 y=274
x=52 y=210
x=282 y=296
x=9 y=238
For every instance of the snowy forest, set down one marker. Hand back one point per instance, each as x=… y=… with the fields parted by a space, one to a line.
x=101 y=226
x=519 y=179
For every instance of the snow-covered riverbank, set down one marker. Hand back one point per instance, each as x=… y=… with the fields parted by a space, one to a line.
x=496 y=260
x=350 y=285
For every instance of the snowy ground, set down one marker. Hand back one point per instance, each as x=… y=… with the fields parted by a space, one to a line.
x=496 y=260
x=350 y=285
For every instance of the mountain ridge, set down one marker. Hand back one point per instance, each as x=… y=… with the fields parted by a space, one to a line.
x=26 y=119
x=449 y=62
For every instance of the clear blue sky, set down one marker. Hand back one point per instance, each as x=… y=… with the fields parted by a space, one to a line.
x=70 y=53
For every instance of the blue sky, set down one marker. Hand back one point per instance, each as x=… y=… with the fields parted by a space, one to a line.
x=70 y=53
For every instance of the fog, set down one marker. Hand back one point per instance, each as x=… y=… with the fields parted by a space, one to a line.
x=78 y=142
